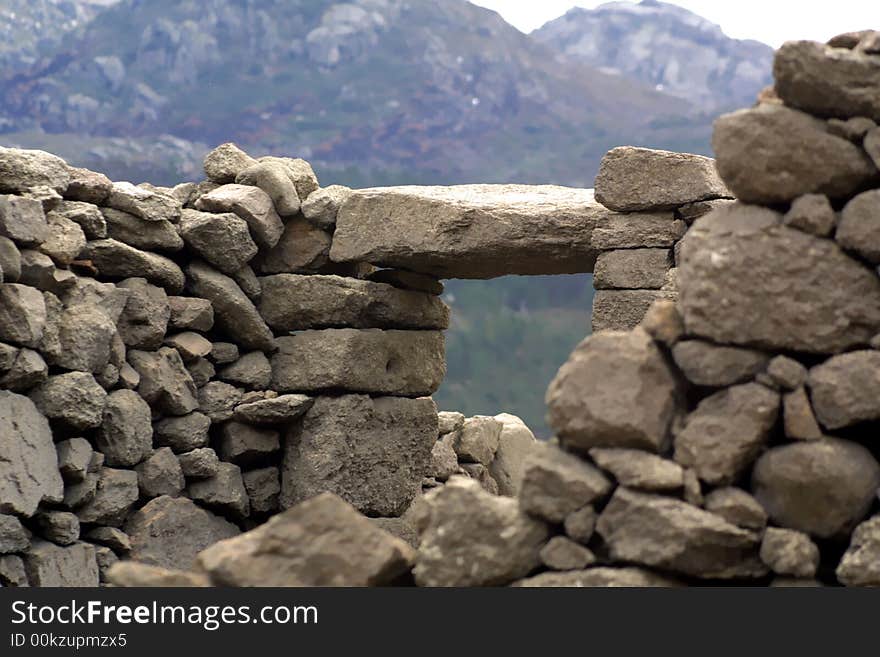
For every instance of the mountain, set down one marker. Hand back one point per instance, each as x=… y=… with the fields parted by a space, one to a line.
x=665 y=46
x=376 y=90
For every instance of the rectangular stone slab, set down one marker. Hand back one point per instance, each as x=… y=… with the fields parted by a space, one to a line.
x=470 y=231
x=400 y=363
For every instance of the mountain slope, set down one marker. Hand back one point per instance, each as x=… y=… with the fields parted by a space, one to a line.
x=665 y=46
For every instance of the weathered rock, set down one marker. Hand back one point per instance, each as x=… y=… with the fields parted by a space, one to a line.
x=234 y=313
x=670 y=534
x=872 y=146
x=51 y=565
x=117 y=491
x=134 y=574
x=84 y=337
x=60 y=527
x=22 y=315
x=469 y=231
x=787 y=373
x=218 y=400
x=190 y=313
x=224 y=492
x=859 y=228
x=170 y=532
x=860 y=565
x=692 y=211
x=160 y=474
x=449 y=421
x=637 y=230
x=322 y=205
x=295 y=302
x=22 y=220
x=845 y=389
x=200 y=463
x=812 y=213
x=633 y=179
x=74 y=456
x=111 y=537
x=13 y=536
x=272 y=178
x=74 y=398
x=105 y=558
x=20 y=170
x=244 y=445
x=621 y=310
x=637 y=469
x=782 y=289
x=225 y=162
x=263 y=488
x=87 y=186
x=822 y=487
x=183 y=434
x=88 y=216
x=708 y=364
x=165 y=383
x=774 y=154
x=407 y=280
x=64 y=240
x=409 y=363
x=477 y=440
x=556 y=483
x=789 y=552
x=284 y=552
x=278 y=410
x=479 y=473
x=221 y=239
x=118 y=260
x=252 y=371
x=616 y=390
x=632 y=269
x=799 y=420
x=144 y=203
x=444 y=460
x=12 y=572
x=10 y=261
x=372 y=452
x=78 y=493
x=28 y=370
x=88 y=292
x=463 y=524
x=599 y=577
x=580 y=524
x=663 y=322
x=854 y=129
x=303 y=247
x=299 y=171
x=562 y=553
x=201 y=370
x=737 y=507
x=141 y=233
x=253 y=205
x=726 y=431
x=191 y=346
x=826 y=81
x=515 y=444
x=125 y=436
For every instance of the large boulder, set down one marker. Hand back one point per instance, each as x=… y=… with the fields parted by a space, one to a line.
x=407 y=363
x=633 y=179
x=666 y=533
x=827 y=81
x=292 y=302
x=372 y=452
x=775 y=287
x=118 y=260
x=171 y=531
x=225 y=162
x=774 y=154
x=221 y=239
x=319 y=542
x=469 y=231
x=472 y=538
x=21 y=170
x=821 y=487
x=616 y=390
x=140 y=233
x=28 y=462
x=74 y=399
x=147 y=204
x=144 y=321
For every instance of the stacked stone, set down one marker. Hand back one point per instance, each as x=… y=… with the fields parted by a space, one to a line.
x=654 y=195
x=178 y=364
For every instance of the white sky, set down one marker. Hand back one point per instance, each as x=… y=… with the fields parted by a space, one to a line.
x=770 y=21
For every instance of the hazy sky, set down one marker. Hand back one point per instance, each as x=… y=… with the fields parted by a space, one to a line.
x=770 y=21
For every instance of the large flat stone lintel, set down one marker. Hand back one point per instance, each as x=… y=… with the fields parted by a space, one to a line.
x=470 y=231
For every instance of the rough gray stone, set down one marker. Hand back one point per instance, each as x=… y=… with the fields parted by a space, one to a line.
x=144 y=321
x=88 y=216
x=160 y=474
x=221 y=239
x=299 y=171
x=140 y=233
x=234 y=313
x=872 y=146
x=812 y=213
x=116 y=493
x=218 y=400
x=303 y=247
x=252 y=371
x=245 y=445
x=74 y=457
x=708 y=364
x=621 y=310
x=469 y=231
x=845 y=389
x=789 y=552
x=477 y=440
x=170 y=532
x=125 y=436
x=736 y=506
x=51 y=565
x=663 y=322
x=111 y=537
x=22 y=220
x=637 y=230
x=860 y=565
x=283 y=552
x=191 y=346
x=463 y=524
x=190 y=313
x=799 y=421
x=12 y=572
x=225 y=162
x=272 y=178
x=61 y=527
x=726 y=431
x=556 y=483
x=666 y=533
x=826 y=81
x=637 y=469
x=201 y=370
x=787 y=373
x=515 y=444
x=562 y=553
x=444 y=460
x=224 y=352
x=632 y=179
x=632 y=269
x=408 y=363
x=22 y=315
x=580 y=524
x=143 y=203
x=13 y=536
x=84 y=337
x=479 y=473
x=224 y=492
x=28 y=370
x=616 y=390
x=774 y=154
x=10 y=260
x=118 y=260
x=74 y=398
x=277 y=410
x=64 y=240
x=263 y=488
x=372 y=452
x=200 y=463
x=252 y=205
x=782 y=289
x=20 y=170
x=87 y=186
x=449 y=421
x=859 y=228
x=322 y=205
x=295 y=302
x=821 y=487
x=183 y=434
x=165 y=384
x=599 y=577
